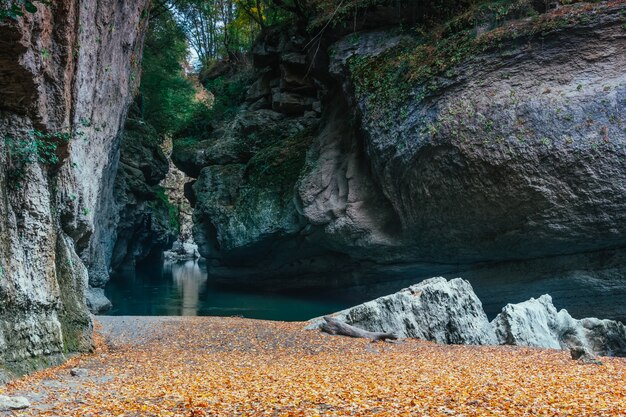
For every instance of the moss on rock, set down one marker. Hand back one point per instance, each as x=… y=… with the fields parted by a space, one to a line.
x=430 y=57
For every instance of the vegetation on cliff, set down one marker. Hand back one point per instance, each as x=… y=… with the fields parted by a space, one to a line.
x=430 y=54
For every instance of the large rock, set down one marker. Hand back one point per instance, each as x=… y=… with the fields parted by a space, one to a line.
x=67 y=68
x=505 y=156
x=97 y=302
x=536 y=322
x=604 y=337
x=291 y=103
x=449 y=312
x=435 y=309
x=182 y=251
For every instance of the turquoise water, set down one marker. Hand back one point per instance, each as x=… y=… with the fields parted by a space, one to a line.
x=588 y=290
x=183 y=289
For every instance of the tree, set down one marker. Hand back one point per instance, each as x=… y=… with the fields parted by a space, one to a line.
x=219 y=29
x=166 y=95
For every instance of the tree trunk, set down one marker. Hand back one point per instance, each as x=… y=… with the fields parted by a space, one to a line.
x=338 y=327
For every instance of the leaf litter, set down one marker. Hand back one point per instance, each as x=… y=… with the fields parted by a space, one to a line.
x=213 y=366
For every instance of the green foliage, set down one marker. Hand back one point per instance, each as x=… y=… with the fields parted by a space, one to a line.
x=34 y=147
x=221 y=29
x=167 y=96
x=279 y=163
x=172 y=210
x=330 y=12
x=14 y=9
x=185 y=142
x=229 y=93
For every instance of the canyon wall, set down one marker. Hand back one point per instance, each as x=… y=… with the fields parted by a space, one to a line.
x=148 y=222
x=67 y=73
x=498 y=151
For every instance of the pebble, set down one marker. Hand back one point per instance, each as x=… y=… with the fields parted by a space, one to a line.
x=79 y=372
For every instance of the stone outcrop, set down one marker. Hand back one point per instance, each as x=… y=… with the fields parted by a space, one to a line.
x=537 y=322
x=533 y=323
x=450 y=312
x=67 y=74
x=13 y=403
x=511 y=157
x=435 y=309
x=182 y=251
x=517 y=154
x=175 y=183
x=97 y=301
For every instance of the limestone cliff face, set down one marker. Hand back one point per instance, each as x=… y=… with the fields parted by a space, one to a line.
x=67 y=74
x=511 y=153
x=148 y=221
x=519 y=150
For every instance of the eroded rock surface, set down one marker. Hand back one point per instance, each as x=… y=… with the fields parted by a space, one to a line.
x=514 y=153
x=67 y=69
x=13 y=403
x=97 y=301
x=450 y=312
x=148 y=221
x=436 y=309
x=537 y=322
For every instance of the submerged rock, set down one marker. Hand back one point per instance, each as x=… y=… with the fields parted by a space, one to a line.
x=436 y=309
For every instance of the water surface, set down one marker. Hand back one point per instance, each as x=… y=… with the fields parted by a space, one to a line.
x=587 y=285
x=184 y=289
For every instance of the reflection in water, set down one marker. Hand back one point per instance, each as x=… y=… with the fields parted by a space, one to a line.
x=177 y=289
x=190 y=281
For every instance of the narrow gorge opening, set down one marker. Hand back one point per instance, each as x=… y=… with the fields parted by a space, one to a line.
x=257 y=173
x=411 y=174
x=287 y=159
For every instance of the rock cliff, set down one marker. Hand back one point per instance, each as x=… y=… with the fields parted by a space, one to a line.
x=148 y=221
x=497 y=147
x=67 y=74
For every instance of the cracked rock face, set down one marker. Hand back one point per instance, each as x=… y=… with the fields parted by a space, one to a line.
x=147 y=220
x=66 y=71
x=514 y=155
x=537 y=322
